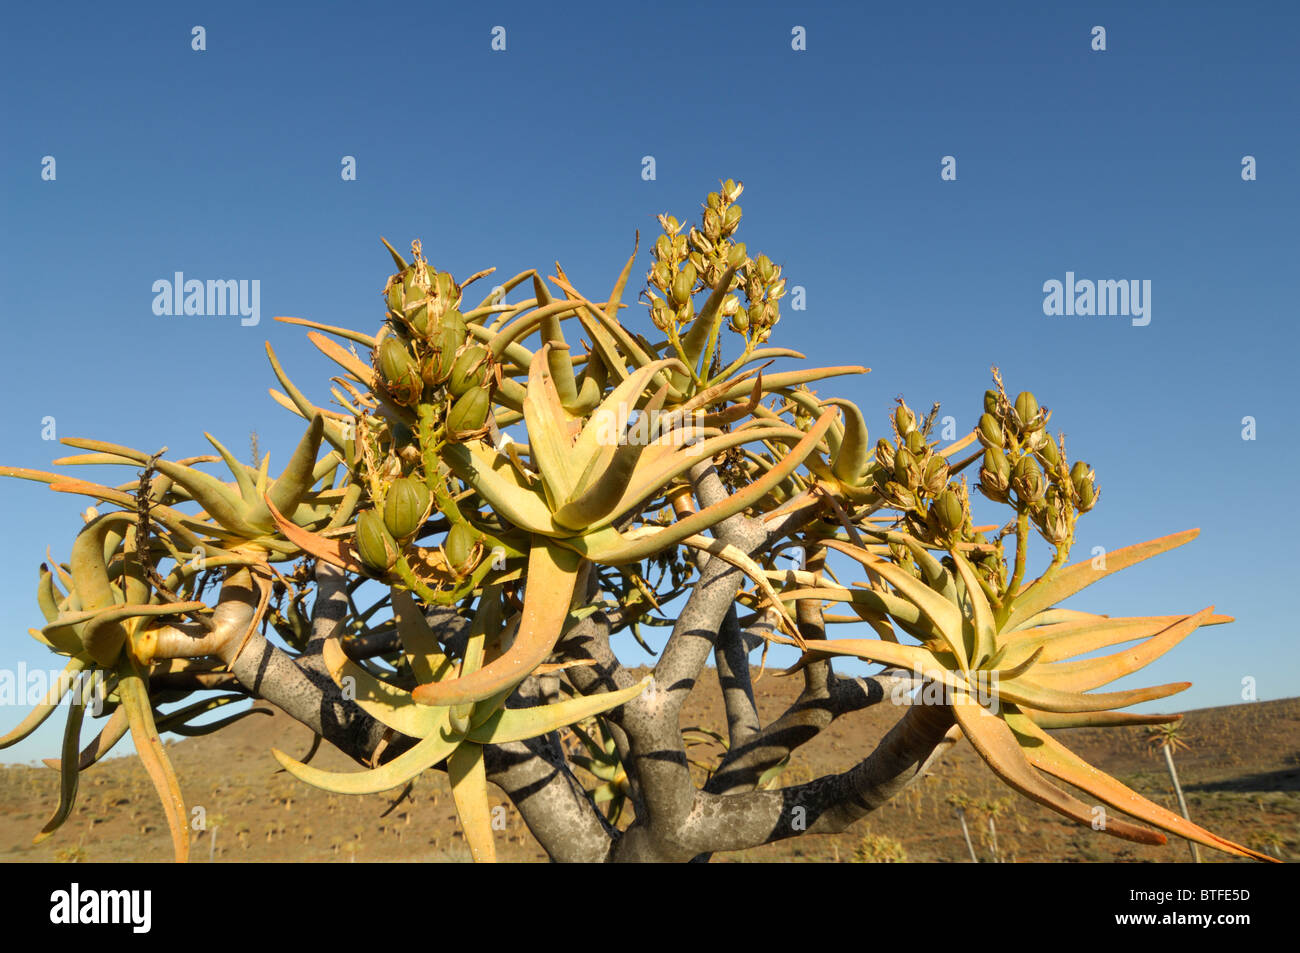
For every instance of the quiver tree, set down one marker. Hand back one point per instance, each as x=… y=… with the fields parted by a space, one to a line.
x=433 y=580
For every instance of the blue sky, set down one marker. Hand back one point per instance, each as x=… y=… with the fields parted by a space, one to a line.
x=1122 y=164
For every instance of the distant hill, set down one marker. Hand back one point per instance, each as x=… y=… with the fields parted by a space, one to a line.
x=1242 y=778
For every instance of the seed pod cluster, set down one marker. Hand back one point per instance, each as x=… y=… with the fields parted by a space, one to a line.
x=910 y=475
x=687 y=264
x=429 y=356
x=1026 y=467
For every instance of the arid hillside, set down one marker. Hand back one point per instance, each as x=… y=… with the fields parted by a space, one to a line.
x=1241 y=775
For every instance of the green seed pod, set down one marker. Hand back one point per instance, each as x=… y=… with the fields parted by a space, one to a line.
x=899 y=496
x=992 y=402
x=684 y=284
x=469 y=414
x=995 y=475
x=377 y=549
x=469 y=370
x=1027 y=480
x=406 y=507
x=904 y=420
x=1026 y=410
x=740 y=322
x=947 y=513
x=1080 y=471
x=452 y=322
x=904 y=466
x=447 y=289
x=1054 y=522
x=732 y=219
x=1050 y=453
x=441 y=357
x=916 y=443
x=995 y=461
x=461 y=547
x=885 y=453
x=714 y=200
x=712 y=225
x=418 y=319
x=399 y=371
x=395 y=294
x=412 y=290
x=736 y=257
x=1087 y=495
x=935 y=476
x=990 y=431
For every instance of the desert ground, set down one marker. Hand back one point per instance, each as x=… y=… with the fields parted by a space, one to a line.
x=1241 y=776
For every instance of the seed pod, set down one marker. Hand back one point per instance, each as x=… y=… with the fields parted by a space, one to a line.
x=935 y=476
x=740 y=322
x=1054 y=522
x=406 y=507
x=904 y=420
x=418 y=319
x=992 y=402
x=447 y=289
x=462 y=548
x=1027 y=480
x=712 y=225
x=469 y=370
x=1050 y=453
x=899 y=496
x=395 y=294
x=1080 y=471
x=731 y=220
x=1026 y=411
x=904 y=466
x=399 y=371
x=916 y=443
x=947 y=513
x=684 y=284
x=736 y=257
x=1087 y=495
x=469 y=414
x=995 y=475
x=377 y=549
x=990 y=431
x=885 y=453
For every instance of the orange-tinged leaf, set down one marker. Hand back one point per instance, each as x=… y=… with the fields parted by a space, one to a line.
x=1026 y=691
x=1065 y=640
x=1094 y=719
x=336 y=552
x=550 y=581
x=1080 y=575
x=997 y=745
x=1049 y=755
x=1084 y=675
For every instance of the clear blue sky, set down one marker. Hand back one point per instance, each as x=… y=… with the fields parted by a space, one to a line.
x=1118 y=164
